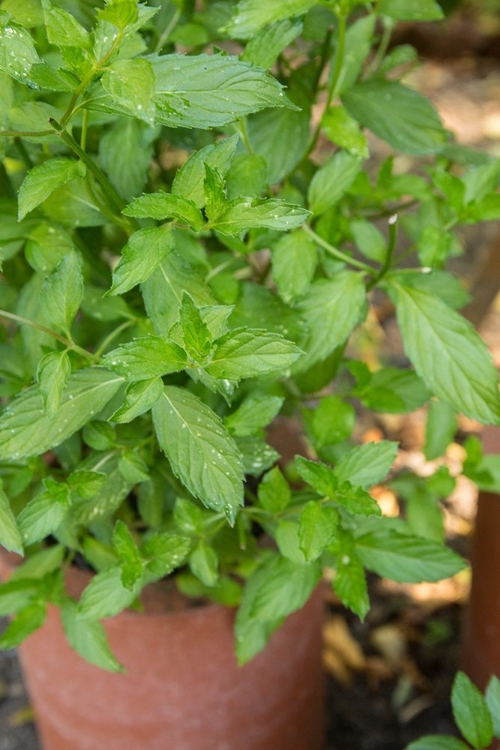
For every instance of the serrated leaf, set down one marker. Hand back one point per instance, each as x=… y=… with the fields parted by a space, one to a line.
x=146 y=358
x=350 y=585
x=246 y=354
x=42 y=180
x=131 y=561
x=274 y=492
x=10 y=536
x=405 y=558
x=132 y=84
x=29 y=14
x=86 y=483
x=395 y=391
x=142 y=254
x=208 y=91
x=26 y=430
x=215 y=194
x=398 y=115
x=252 y=15
x=332 y=181
x=200 y=450
x=437 y=742
x=317 y=528
x=471 y=713
x=133 y=468
x=125 y=152
x=189 y=179
x=332 y=421
x=139 y=398
x=26 y=622
x=88 y=638
x=247 y=176
x=242 y=214
x=285 y=586
x=264 y=48
x=42 y=515
x=253 y=414
x=166 y=552
x=105 y=595
x=63 y=29
x=330 y=309
x=166 y=206
x=448 y=354
x=294 y=259
x=343 y=130
x=325 y=481
x=411 y=10
x=62 y=293
x=256 y=454
x=367 y=464
x=52 y=375
x=195 y=333
x=17 y=52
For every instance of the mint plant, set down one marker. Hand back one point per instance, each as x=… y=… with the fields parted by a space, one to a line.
x=189 y=238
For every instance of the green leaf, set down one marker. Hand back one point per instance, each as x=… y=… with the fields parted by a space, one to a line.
x=17 y=51
x=440 y=429
x=252 y=15
x=367 y=464
x=208 y=91
x=166 y=206
x=317 y=528
x=437 y=742
x=332 y=181
x=166 y=552
x=16 y=595
x=133 y=468
x=132 y=84
x=264 y=48
x=287 y=539
x=142 y=254
x=358 y=43
x=242 y=214
x=215 y=194
x=344 y=131
x=294 y=259
x=39 y=564
x=325 y=481
x=27 y=621
x=125 y=152
x=139 y=398
x=42 y=180
x=163 y=291
x=132 y=563
x=281 y=138
x=253 y=414
x=411 y=10
x=471 y=713
x=29 y=14
x=332 y=421
x=492 y=696
x=42 y=516
x=406 y=559
x=285 y=586
x=394 y=391
x=63 y=29
x=204 y=564
x=146 y=358
x=398 y=115
x=331 y=308
x=106 y=596
x=189 y=179
x=195 y=333
x=273 y=492
x=369 y=240
x=201 y=452
x=350 y=584
x=62 y=293
x=26 y=430
x=448 y=354
x=52 y=375
x=246 y=354
x=88 y=638
x=85 y=483
x=10 y=537
x=256 y=455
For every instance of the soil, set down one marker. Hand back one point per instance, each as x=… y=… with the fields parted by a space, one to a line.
x=389 y=678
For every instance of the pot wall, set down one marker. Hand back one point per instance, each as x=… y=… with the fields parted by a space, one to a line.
x=182 y=689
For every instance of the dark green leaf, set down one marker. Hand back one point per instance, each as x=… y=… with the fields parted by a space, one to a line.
x=86 y=483
x=132 y=84
x=317 y=528
x=17 y=51
x=332 y=181
x=139 y=398
x=243 y=214
x=146 y=358
x=294 y=263
x=52 y=375
x=367 y=464
x=252 y=15
x=274 y=493
x=42 y=180
x=166 y=206
x=265 y=47
x=332 y=421
x=125 y=152
x=63 y=29
x=195 y=334
x=142 y=254
x=350 y=584
x=204 y=564
x=189 y=179
x=253 y=414
x=62 y=293
x=285 y=586
x=42 y=516
x=202 y=454
x=166 y=552
x=437 y=742
x=246 y=354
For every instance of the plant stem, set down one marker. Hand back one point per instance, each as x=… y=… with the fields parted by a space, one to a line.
x=382 y=48
x=102 y=348
x=85 y=124
x=26 y=133
x=391 y=246
x=67 y=342
x=168 y=30
x=244 y=135
x=338 y=254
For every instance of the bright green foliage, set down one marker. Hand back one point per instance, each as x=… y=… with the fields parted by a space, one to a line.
x=191 y=246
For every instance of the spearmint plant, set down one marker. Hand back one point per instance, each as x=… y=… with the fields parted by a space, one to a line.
x=190 y=233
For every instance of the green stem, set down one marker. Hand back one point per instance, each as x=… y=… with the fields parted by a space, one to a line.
x=102 y=348
x=25 y=133
x=85 y=125
x=382 y=48
x=168 y=30
x=391 y=246
x=243 y=130
x=338 y=254
x=67 y=342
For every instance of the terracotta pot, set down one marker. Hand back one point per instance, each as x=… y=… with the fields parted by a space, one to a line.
x=182 y=689
x=481 y=652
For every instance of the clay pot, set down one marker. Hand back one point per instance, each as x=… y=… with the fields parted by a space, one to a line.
x=182 y=689
x=481 y=652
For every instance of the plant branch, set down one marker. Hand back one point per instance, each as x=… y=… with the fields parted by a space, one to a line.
x=335 y=252
x=67 y=342
x=391 y=246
